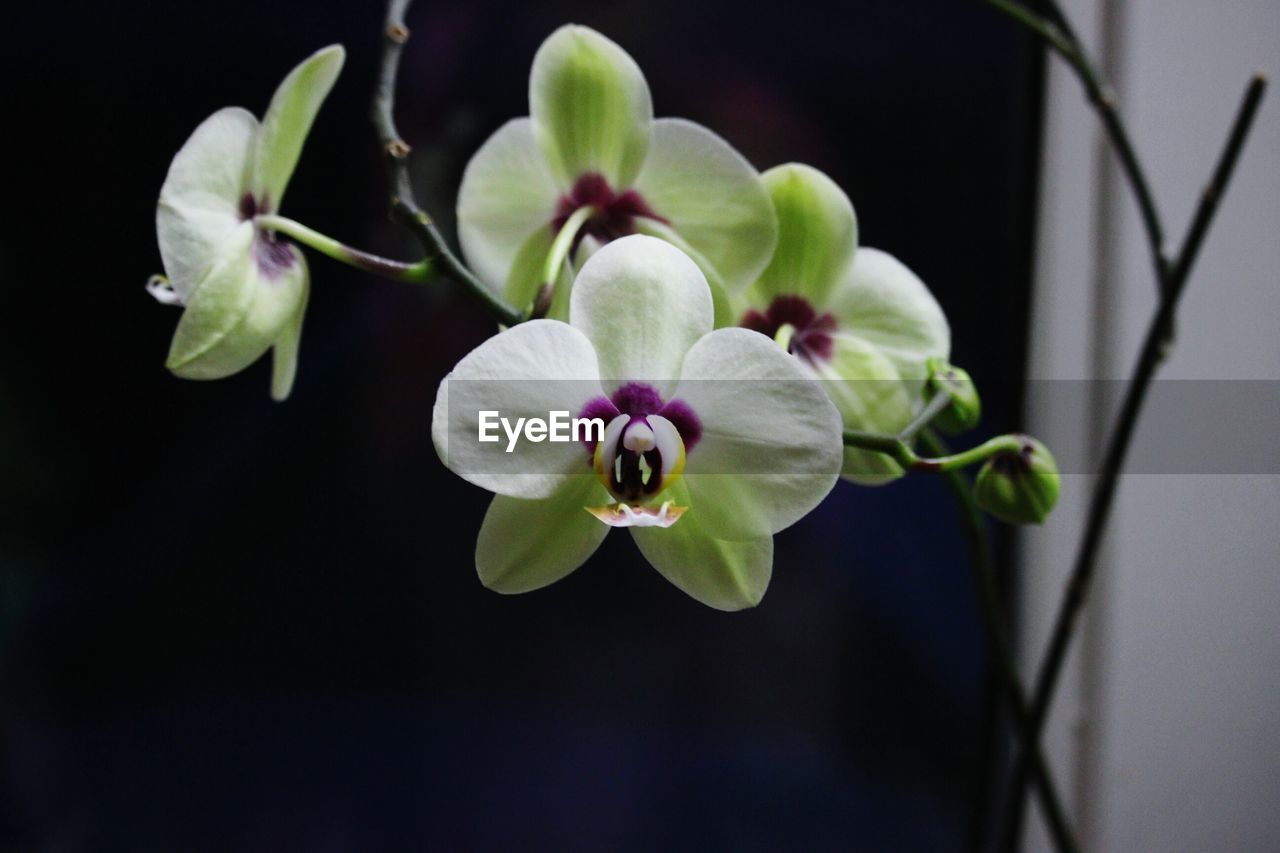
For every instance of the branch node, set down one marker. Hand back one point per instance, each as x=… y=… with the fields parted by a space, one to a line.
x=398 y=33
x=398 y=148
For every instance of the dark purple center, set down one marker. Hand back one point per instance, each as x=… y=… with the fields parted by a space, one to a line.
x=273 y=255
x=628 y=480
x=812 y=337
x=615 y=214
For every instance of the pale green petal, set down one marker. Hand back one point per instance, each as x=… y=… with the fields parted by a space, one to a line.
x=528 y=544
x=237 y=312
x=712 y=197
x=284 y=365
x=590 y=106
x=525 y=272
x=722 y=305
x=508 y=193
x=720 y=574
x=288 y=121
x=771 y=444
x=527 y=371
x=817 y=235
x=883 y=302
x=643 y=303
x=870 y=396
x=199 y=206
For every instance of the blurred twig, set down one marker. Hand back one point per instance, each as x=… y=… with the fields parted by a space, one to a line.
x=404 y=205
x=1171 y=279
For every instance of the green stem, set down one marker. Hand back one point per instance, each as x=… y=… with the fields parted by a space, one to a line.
x=404 y=205
x=325 y=245
x=902 y=453
x=999 y=649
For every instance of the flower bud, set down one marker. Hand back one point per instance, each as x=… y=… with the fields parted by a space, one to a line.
x=965 y=408
x=1019 y=487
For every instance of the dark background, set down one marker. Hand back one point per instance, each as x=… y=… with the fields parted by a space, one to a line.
x=228 y=624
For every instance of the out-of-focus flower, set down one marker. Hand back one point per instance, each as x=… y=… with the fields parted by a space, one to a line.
x=854 y=317
x=591 y=164
x=712 y=442
x=244 y=288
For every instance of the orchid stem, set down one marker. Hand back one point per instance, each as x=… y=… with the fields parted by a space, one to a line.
x=999 y=649
x=901 y=452
x=404 y=205
x=325 y=245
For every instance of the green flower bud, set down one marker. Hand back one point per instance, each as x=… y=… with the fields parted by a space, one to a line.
x=1019 y=487
x=966 y=407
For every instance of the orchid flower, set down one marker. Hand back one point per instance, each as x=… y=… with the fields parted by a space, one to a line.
x=712 y=441
x=854 y=317
x=244 y=288
x=591 y=164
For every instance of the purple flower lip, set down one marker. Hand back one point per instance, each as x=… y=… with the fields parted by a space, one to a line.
x=811 y=340
x=639 y=399
x=616 y=213
x=639 y=453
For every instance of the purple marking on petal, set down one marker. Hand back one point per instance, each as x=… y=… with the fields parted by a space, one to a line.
x=637 y=399
x=812 y=337
x=248 y=207
x=686 y=422
x=615 y=215
x=597 y=407
x=273 y=256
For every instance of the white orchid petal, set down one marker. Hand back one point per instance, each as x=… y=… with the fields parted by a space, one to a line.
x=817 y=235
x=883 y=302
x=288 y=121
x=720 y=574
x=199 y=206
x=527 y=371
x=712 y=197
x=528 y=544
x=643 y=303
x=508 y=193
x=239 y=311
x=871 y=397
x=771 y=447
x=590 y=106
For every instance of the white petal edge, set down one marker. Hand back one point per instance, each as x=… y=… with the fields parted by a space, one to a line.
x=508 y=193
x=883 y=302
x=199 y=202
x=529 y=370
x=712 y=197
x=771 y=446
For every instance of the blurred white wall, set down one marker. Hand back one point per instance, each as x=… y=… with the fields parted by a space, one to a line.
x=1166 y=733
